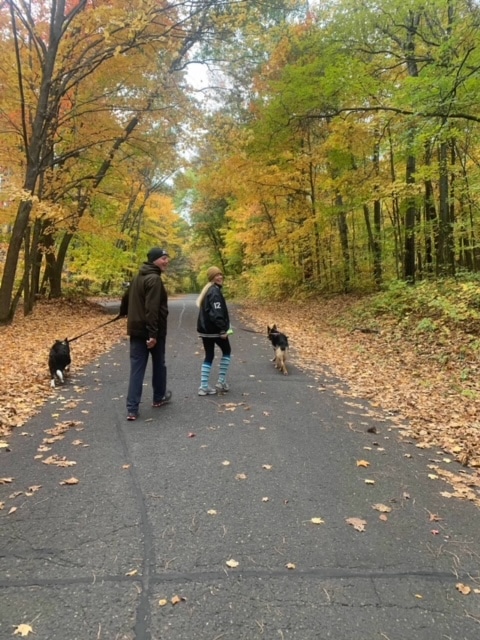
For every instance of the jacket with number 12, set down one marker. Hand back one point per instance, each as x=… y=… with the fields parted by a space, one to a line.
x=213 y=318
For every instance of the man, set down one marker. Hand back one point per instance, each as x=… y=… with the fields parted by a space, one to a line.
x=146 y=306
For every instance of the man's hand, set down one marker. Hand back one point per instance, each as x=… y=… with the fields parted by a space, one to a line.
x=151 y=342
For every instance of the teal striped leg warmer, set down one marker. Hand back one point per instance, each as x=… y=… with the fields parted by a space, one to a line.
x=205 y=375
x=222 y=372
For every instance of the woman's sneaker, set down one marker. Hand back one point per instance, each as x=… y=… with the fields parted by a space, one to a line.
x=208 y=391
x=222 y=386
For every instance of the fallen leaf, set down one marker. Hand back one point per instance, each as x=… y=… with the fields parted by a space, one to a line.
x=434 y=518
x=34 y=488
x=317 y=521
x=363 y=463
x=177 y=599
x=291 y=565
x=265 y=499
x=266 y=466
x=212 y=512
x=126 y=466
x=191 y=435
x=59 y=461
x=232 y=563
x=357 y=523
x=133 y=572
x=12 y=510
x=417 y=595
x=432 y=476
x=241 y=476
x=383 y=517
x=226 y=463
x=6 y=480
x=463 y=588
x=3 y=444
x=23 y=630
x=367 y=481
x=381 y=507
x=70 y=481
x=162 y=602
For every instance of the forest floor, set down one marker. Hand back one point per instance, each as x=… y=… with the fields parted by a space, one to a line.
x=425 y=382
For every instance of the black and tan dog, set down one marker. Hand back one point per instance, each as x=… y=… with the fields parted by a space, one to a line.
x=59 y=361
x=280 y=346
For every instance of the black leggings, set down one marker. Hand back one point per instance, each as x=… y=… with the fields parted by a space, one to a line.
x=209 y=346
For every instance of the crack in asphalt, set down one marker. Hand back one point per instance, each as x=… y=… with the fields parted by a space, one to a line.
x=152 y=577
x=144 y=613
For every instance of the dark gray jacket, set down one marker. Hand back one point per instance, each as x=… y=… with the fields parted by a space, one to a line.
x=146 y=304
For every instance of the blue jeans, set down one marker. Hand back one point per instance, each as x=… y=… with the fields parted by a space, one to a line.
x=138 y=365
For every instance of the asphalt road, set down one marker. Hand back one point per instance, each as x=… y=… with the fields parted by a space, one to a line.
x=163 y=505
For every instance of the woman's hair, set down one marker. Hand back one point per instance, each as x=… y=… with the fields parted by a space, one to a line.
x=203 y=293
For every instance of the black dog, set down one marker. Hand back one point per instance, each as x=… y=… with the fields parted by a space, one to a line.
x=280 y=346
x=59 y=360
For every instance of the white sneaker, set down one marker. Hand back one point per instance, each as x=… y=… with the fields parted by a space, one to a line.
x=206 y=392
x=222 y=386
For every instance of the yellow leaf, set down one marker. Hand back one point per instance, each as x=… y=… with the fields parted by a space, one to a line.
x=6 y=480
x=357 y=523
x=12 y=510
x=70 y=481
x=3 y=444
x=226 y=463
x=265 y=499
x=381 y=507
x=133 y=572
x=291 y=565
x=463 y=588
x=34 y=488
x=23 y=630
x=266 y=466
x=369 y=481
x=417 y=595
x=241 y=476
x=162 y=602
x=317 y=521
x=363 y=463
x=432 y=476
x=212 y=512
x=232 y=563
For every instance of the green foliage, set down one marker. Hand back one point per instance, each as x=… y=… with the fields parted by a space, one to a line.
x=426 y=325
x=430 y=305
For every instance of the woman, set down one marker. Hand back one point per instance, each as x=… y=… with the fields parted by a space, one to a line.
x=213 y=326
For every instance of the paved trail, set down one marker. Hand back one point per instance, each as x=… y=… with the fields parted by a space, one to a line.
x=163 y=504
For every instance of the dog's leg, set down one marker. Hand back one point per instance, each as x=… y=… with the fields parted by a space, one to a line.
x=60 y=376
